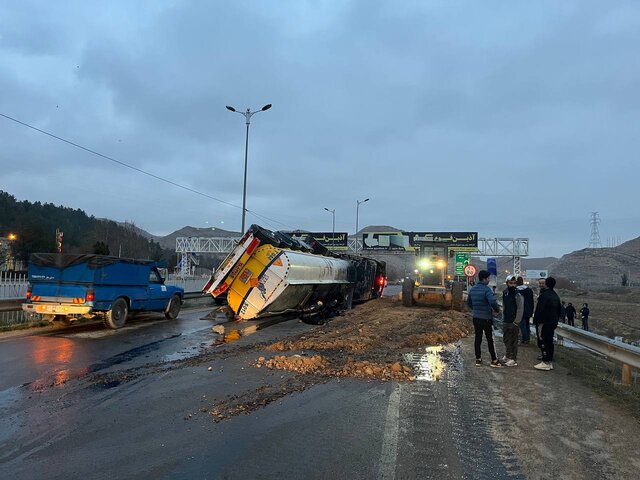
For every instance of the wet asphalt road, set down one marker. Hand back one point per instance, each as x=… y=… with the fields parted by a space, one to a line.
x=87 y=402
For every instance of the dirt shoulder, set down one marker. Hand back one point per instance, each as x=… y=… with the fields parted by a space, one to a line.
x=611 y=314
x=560 y=423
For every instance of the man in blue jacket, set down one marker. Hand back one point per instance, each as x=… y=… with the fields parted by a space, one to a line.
x=482 y=302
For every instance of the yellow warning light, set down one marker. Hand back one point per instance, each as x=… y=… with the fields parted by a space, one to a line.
x=441 y=264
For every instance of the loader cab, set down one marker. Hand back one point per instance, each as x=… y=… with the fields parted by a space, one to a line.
x=431 y=265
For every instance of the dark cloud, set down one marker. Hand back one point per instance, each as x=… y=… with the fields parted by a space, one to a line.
x=515 y=119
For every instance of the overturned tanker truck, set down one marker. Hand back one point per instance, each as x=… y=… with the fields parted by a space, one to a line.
x=271 y=273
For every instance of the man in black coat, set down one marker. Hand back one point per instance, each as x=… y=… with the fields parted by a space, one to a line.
x=584 y=313
x=546 y=319
x=571 y=314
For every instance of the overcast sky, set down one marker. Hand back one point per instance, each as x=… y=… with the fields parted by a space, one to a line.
x=509 y=118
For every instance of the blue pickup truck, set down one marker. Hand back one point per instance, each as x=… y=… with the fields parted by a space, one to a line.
x=68 y=286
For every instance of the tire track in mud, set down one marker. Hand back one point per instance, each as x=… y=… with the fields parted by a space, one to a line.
x=480 y=428
x=426 y=438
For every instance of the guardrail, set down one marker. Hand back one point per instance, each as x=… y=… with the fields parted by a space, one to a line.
x=10 y=304
x=628 y=355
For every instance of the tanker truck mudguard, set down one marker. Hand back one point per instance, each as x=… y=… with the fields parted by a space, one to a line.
x=68 y=286
x=271 y=273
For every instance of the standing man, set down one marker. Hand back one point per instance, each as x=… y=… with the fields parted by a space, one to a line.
x=563 y=312
x=513 y=306
x=483 y=303
x=571 y=314
x=527 y=296
x=584 y=313
x=546 y=320
x=541 y=288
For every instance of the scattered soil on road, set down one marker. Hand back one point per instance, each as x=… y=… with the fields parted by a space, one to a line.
x=367 y=342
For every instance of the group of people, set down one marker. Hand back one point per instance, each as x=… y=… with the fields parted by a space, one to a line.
x=568 y=314
x=518 y=307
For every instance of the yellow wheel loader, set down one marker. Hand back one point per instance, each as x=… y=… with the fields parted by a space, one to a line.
x=430 y=285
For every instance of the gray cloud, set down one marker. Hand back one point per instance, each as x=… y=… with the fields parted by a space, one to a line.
x=513 y=119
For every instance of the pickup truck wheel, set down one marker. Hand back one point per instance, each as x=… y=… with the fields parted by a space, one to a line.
x=117 y=316
x=173 y=308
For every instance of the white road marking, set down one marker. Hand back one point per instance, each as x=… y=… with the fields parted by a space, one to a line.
x=389 y=454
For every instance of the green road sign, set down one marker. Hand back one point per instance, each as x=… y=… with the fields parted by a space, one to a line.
x=462 y=259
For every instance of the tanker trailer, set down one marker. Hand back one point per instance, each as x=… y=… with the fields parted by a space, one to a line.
x=270 y=273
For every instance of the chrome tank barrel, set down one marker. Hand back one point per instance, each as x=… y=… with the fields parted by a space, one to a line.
x=306 y=268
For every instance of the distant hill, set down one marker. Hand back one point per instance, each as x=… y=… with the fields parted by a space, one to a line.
x=601 y=267
x=133 y=227
x=169 y=241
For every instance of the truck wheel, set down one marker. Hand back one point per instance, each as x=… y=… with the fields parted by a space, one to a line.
x=407 y=292
x=173 y=308
x=117 y=316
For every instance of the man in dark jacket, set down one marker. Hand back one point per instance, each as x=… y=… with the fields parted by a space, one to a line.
x=545 y=319
x=571 y=314
x=584 y=313
x=527 y=296
x=483 y=303
x=512 y=305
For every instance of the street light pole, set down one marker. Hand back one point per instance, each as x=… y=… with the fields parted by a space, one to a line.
x=247 y=115
x=333 y=225
x=358 y=202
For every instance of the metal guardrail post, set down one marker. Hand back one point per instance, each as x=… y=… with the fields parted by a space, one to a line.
x=624 y=353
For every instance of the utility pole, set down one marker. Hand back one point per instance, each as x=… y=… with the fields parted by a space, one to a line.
x=333 y=225
x=358 y=202
x=247 y=116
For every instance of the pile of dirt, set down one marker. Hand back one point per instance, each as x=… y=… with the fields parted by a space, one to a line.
x=295 y=363
x=369 y=341
x=317 y=364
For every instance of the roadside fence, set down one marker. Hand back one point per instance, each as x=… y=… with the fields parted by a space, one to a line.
x=13 y=285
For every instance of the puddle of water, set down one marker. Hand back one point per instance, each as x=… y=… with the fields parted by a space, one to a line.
x=232 y=336
x=431 y=364
x=173 y=357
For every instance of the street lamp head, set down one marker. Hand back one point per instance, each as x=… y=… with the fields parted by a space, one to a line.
x=365 y=200
x=327 y=209
x=266 y=107
x=231 y=108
